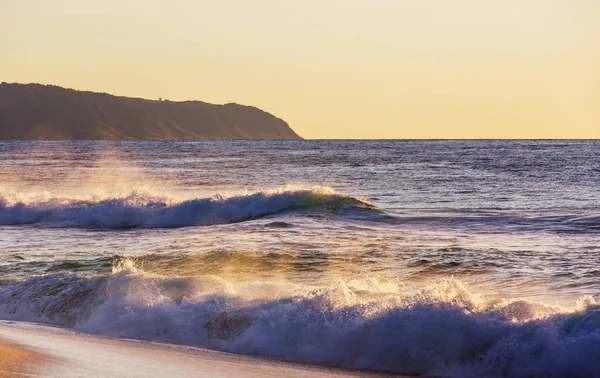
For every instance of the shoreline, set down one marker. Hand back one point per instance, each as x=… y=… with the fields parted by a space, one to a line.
x=29 y=347
x=18 y=360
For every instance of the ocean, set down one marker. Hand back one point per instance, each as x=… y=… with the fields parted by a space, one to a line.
x=446 y=258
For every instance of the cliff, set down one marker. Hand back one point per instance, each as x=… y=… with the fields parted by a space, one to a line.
x=47 y=112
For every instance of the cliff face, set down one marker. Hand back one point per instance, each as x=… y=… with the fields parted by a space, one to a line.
x=44 y=112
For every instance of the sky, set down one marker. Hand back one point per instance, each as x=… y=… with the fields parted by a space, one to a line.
x=330 y=68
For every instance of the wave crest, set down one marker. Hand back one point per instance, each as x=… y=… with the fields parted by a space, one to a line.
x=443 y=329
x=140 y=210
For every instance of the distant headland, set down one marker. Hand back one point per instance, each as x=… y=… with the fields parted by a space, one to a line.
x=48 y=112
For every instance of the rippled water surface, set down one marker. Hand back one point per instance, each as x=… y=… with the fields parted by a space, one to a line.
x=99 y=235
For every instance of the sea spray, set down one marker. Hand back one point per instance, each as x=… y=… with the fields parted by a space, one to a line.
x=441 y=329
x=329 y=280
x=140 y=210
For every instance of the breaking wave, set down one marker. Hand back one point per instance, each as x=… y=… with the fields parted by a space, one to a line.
x=147 y=210
x=442 y=329
x=140 y=210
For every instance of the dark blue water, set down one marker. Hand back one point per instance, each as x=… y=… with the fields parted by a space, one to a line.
x=295 y=249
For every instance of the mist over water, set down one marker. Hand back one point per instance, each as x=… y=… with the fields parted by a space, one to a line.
x=454 y=258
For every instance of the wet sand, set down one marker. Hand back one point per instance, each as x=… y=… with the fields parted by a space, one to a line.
x=31 y=349
x=18 y=361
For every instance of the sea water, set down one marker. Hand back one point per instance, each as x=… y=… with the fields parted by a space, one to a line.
x=450 y=258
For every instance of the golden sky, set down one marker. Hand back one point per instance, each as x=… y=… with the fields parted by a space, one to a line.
x=331 y=68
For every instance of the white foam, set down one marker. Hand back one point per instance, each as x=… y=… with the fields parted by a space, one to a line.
x=442 y=329
x=147 y=211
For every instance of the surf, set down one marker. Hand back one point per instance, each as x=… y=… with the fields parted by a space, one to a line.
x=442 y=328
x=141 y=210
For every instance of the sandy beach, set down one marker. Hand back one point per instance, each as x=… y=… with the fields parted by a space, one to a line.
x=43 y=351
x=17 y=360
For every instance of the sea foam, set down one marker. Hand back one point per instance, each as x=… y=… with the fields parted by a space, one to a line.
x=442 y=329
x=139 y=210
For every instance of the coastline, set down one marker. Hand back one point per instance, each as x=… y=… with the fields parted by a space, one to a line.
x=26 y=348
